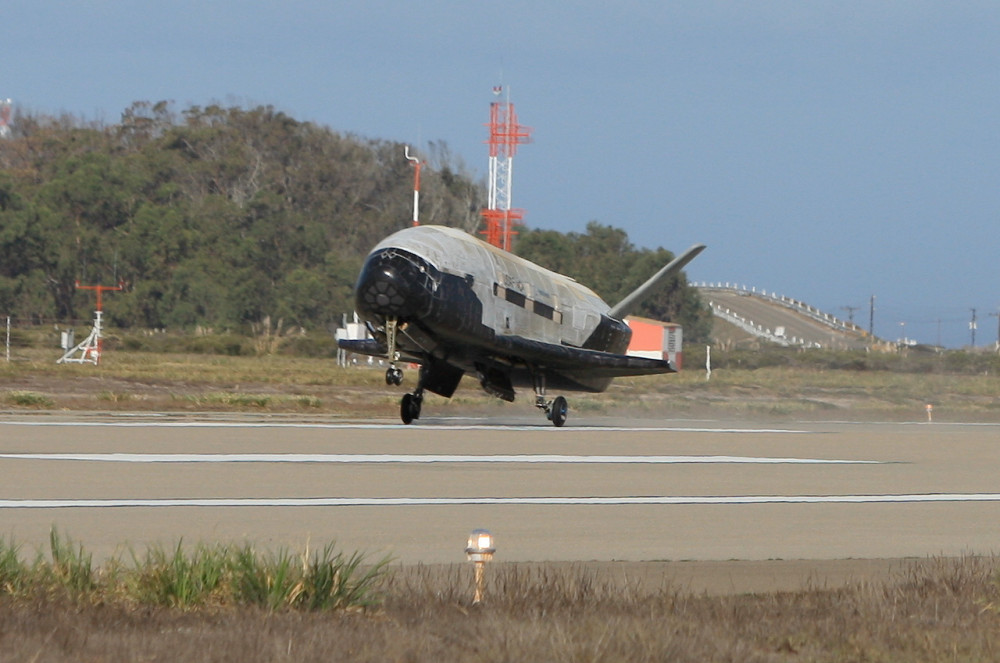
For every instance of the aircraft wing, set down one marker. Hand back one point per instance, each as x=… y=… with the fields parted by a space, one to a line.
x=520 y=350
x=568 y=358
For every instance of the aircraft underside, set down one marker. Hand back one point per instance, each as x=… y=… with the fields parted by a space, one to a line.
x=497 y=376
x=445 y=360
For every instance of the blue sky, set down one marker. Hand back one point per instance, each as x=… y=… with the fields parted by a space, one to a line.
x=829 y=151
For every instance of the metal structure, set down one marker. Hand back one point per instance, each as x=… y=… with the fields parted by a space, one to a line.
x=505 y=135
x=92 y=347
x=416 y=184
x=480 y=550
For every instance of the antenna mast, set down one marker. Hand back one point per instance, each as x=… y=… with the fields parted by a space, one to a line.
x=505 y=135
x=93 y=346
x=416 y=184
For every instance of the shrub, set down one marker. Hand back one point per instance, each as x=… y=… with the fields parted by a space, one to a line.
x=28 y=399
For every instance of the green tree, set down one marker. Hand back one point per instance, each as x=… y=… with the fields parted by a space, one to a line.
x=212 y=216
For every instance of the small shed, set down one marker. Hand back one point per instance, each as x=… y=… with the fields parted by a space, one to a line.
x=656 y=340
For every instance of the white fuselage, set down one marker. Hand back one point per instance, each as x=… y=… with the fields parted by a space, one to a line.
x=518 y=297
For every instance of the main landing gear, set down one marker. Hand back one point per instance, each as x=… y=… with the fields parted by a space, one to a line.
x=409 y=407
x=557 y=409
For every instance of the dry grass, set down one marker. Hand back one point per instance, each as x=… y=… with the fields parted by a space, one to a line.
x=137 y=381
x=809 y=393
x=939 y=609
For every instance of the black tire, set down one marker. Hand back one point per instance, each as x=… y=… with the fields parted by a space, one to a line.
x=406 y=409
x=559 y=411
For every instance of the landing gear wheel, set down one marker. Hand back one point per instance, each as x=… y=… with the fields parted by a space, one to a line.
x=393 y=376
x=409 y=408
x=558 y=411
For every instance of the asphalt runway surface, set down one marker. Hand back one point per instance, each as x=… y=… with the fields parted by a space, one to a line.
x=598 y=490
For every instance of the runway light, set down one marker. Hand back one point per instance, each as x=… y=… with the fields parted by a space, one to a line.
x=479 y=550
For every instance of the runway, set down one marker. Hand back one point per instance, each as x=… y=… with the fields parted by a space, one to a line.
x=599 y=490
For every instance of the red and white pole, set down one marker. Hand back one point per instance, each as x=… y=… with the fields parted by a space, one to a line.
x=416 y=185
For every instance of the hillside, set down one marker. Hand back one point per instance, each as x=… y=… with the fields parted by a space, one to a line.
x=225 y=218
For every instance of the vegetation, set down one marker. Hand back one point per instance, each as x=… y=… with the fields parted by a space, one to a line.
x=207 y=576
x=215 y=215
x=954 y=362
x=231 y=218
x=231 y=604
x=791 y=384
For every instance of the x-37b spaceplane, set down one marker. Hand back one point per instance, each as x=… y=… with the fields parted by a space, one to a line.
x=454 y=304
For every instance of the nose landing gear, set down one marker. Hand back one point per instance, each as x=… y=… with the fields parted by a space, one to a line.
x=393 y=375
x=557 y=411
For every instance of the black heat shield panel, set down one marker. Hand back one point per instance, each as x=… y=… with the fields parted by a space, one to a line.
x=567 y=358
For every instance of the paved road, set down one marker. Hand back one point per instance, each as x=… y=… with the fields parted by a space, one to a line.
x=771 y=316
x=675 y=490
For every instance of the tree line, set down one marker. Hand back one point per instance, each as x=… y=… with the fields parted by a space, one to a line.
x=224 y=217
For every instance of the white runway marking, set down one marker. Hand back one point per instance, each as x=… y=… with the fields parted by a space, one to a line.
x=494 y=501
x=413 y=458
x=362 y=426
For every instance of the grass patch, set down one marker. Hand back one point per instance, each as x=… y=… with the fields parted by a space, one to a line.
x=14 y=576
x=115 y=397
x=929 y=610
x=30 y=399
x=325 y=580
x=176 y=579
x=255 y=401
x=218 y=576
x=71 y=568
x=308 y=402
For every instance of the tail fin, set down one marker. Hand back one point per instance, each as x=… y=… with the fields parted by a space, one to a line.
x=634 y=298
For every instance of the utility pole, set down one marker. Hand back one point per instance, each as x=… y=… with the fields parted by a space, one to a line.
x=871 y=318
x=997 y=316
x=972 y=327
x=416 y=184
x=850 y=312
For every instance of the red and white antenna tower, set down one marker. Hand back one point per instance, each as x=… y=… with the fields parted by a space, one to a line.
x=505 y=135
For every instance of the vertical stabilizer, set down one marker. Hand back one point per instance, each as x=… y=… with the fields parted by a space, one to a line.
x=634 y=298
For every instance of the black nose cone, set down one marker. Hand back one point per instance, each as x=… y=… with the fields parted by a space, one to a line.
x=394 y=283
x=382 y=293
